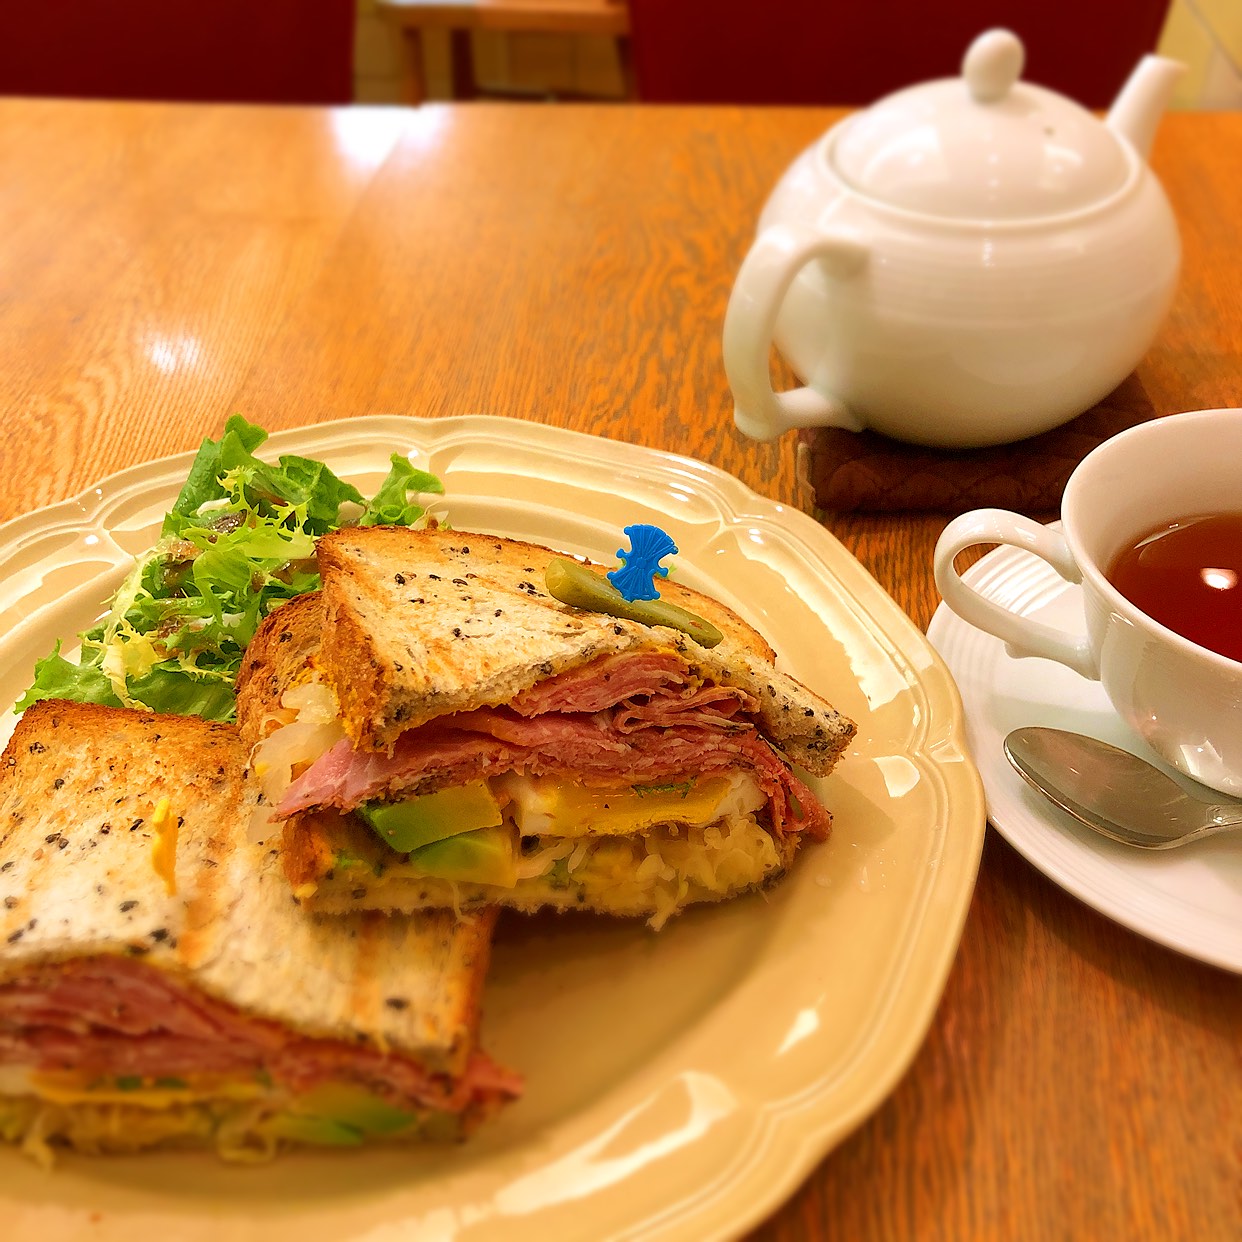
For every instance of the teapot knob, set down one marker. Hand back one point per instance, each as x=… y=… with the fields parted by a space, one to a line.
x=992 y=64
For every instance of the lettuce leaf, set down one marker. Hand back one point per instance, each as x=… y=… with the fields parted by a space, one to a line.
x=58 y=678
x=238 y=542
x=391 y=505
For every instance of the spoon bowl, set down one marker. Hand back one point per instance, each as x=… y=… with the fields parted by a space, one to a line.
x=1116 y=793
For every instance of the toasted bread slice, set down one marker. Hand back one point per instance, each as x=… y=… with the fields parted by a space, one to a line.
x=280 y=655
x=421 y=623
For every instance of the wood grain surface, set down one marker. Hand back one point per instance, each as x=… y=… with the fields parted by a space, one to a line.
x=164 y=266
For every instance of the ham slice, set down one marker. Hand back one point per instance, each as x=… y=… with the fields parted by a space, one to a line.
x=114 y=1016
x=666 y=724
x=608 y=681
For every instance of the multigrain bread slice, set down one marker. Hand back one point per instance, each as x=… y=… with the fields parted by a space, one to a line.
x=418 y=624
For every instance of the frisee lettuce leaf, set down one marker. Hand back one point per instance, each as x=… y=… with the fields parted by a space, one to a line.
x=238 y=542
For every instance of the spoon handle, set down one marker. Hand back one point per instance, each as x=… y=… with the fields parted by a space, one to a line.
x=1115 y=792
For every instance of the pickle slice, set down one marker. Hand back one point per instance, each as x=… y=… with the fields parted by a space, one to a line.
x=578 y=586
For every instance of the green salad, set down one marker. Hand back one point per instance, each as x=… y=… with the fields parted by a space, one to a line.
x=239 y=541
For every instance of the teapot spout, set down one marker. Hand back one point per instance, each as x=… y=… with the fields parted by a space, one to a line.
x=1142 y=101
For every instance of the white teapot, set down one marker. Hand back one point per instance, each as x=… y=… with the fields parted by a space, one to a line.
x=967 y=262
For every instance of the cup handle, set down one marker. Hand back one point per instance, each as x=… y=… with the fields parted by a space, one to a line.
x=1021 y=635
x=777 y=256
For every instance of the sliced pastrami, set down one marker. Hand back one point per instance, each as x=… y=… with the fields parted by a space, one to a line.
x=114 y=1016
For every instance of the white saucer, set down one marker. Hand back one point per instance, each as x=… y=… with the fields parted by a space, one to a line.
x=1189 y=898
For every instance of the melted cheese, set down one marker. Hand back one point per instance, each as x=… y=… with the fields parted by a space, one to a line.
x=164 y=850
x=70 y=1088
x=551 y=806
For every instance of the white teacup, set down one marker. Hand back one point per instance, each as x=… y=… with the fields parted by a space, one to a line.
x=1182 y=699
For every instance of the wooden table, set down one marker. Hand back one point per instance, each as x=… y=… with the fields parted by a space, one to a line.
x=162 y=267
x=410 y=18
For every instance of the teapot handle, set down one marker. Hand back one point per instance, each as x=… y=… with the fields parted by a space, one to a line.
x=777 y=256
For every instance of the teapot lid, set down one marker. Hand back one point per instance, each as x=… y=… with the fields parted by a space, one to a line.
x=984 y=146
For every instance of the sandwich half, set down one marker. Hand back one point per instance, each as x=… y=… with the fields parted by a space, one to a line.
x=436 y=729
x=159 y=986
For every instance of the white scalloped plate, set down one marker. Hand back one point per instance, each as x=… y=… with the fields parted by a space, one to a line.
x=679 y=1085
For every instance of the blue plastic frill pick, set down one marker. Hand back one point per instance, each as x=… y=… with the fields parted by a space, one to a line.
x=636 y=578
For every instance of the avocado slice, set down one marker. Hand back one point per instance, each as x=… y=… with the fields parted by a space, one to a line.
x=417 y=822
x=354 y=1107
x=485 y=856
x=322 y=1131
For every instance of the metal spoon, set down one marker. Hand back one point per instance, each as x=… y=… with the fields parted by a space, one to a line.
x=1117 y=793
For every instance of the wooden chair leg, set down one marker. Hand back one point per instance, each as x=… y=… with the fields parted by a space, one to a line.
x=625 y=60
x=461 y=62
x=413 y=72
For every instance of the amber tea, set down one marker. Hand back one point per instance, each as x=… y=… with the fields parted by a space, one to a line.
x=1187 y=575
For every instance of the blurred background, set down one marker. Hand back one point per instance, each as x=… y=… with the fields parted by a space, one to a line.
x=746 y=51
